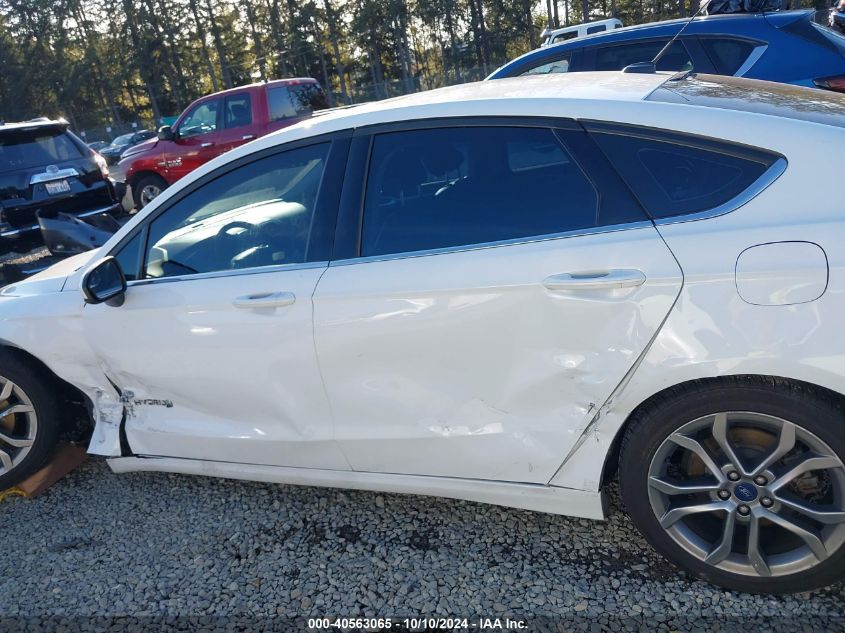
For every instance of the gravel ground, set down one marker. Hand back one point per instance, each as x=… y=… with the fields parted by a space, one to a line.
x=100 y=544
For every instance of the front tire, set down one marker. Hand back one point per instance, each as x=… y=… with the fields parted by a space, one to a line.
x=147 y=189
x=29 y=420
x=741 y=482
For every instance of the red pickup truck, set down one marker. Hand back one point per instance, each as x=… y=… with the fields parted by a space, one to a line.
x=212 y=125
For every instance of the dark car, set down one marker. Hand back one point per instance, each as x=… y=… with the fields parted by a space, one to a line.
x=98 y=145
x=113 y=152
x=785 y=46
x=45 y=167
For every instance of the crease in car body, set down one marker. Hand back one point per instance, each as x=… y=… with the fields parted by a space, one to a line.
x=109 y=418
x=111 y=415
x=591 y=429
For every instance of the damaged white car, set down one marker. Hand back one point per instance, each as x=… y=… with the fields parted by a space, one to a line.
x=506 y=292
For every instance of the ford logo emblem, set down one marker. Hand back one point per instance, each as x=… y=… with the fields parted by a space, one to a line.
x=745 y=492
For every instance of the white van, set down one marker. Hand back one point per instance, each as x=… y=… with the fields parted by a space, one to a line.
x=556 y=36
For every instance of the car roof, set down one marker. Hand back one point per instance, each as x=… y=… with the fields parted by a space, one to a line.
x=610 y=96
x=33 y=124
x=703 y=23
x=463 y=99
x=735 y=23
x=583 y=25
x=288 y=81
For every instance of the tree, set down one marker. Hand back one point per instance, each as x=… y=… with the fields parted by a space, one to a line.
x=106 y=62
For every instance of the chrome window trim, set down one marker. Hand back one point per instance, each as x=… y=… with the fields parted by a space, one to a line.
x=498 y=244
x=755 y=189
x=255 y=270
x=752 y=59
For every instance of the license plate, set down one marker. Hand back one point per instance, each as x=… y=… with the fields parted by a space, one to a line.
x=57 y=186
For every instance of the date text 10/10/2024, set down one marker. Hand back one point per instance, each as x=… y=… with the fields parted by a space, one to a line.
x=415 y=624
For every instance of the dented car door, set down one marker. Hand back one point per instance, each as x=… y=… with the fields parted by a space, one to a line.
x=496 y=302
x=212 y=349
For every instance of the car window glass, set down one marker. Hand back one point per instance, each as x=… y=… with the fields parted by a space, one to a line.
x=617 y=57
x=438 y=188
x=560 y=65
x=201 y=120
x=22 y=149
x=298 y=100
x=565 y=36
x=595 y=29
x=728 y=55
x=672 y=178
x=122 y=140
x=258 y=214
x=237 y=110
x=129 y=257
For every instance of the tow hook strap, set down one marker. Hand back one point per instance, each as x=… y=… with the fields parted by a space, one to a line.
x=12 y=492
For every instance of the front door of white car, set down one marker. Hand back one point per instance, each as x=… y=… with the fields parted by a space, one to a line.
x=212 y=349
x=505 y=284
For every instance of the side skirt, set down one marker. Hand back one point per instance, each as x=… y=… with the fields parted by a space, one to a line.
x=549 y=499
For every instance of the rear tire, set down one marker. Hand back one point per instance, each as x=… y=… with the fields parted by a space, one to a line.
x=718 y=437
x=146 y=189
x=29 y=430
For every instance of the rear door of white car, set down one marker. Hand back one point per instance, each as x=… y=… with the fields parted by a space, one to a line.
x=212 y=349
x=493 y=282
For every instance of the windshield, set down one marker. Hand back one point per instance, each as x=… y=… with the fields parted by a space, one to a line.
x=122 y=140
x=24 y=149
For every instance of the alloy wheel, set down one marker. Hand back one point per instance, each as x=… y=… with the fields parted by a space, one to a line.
x=148 y=193
x=749 y=493
x=18 y=425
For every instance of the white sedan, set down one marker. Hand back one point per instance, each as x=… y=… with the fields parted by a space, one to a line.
x=508 y=292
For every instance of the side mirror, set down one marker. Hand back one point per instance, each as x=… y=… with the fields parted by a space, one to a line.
x=166 y=133
x=105 y=283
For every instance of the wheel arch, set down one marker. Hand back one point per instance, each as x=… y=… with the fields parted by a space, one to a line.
x=611 y=459
x=135 y=177
x=78 y=420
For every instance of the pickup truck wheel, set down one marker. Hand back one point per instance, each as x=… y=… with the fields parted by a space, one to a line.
x=146 y=189
x=29 y=421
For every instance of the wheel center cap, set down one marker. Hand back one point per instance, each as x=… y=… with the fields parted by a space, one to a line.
x=745 y=492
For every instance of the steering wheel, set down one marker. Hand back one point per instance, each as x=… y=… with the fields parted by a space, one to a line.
x=229 y=243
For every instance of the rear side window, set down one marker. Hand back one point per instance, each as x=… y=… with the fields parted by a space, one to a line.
x=596 y=29
x=288 y=102
x=677 y=175
x=559 y=65
x=237 y=111
x=617 y=57
x=439 y=188
x=24 y=149
x=565 y=36
x=727 y=55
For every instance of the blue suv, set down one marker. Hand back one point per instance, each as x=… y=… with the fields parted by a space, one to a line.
x=786 y=46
